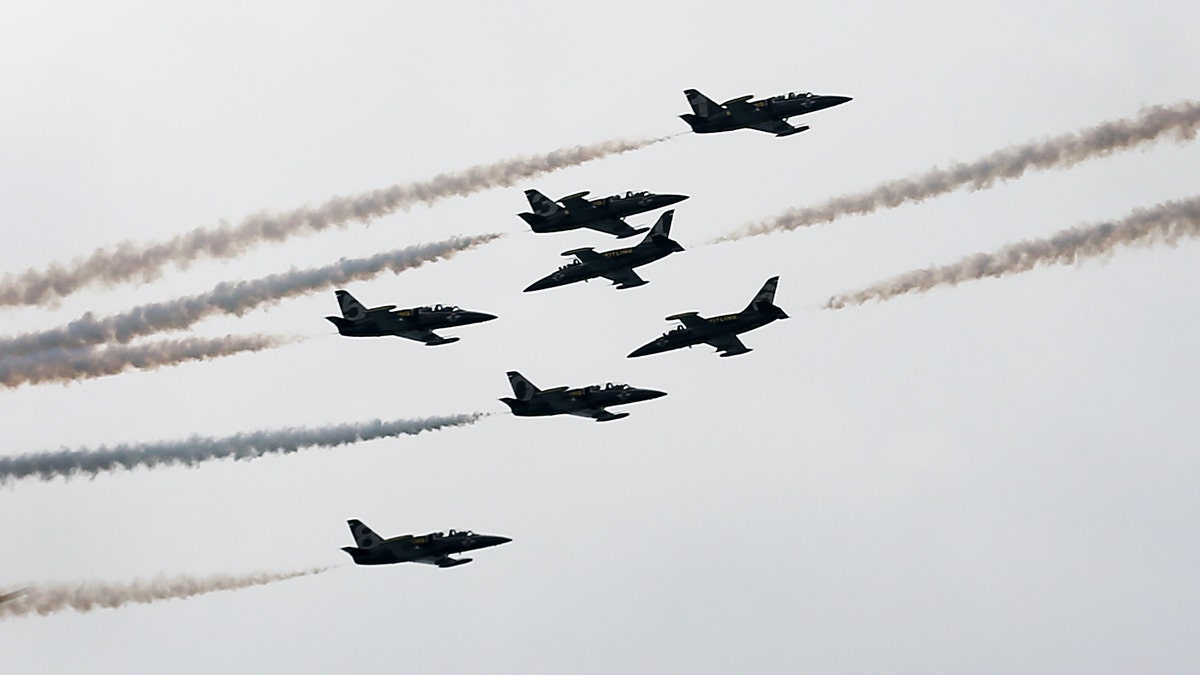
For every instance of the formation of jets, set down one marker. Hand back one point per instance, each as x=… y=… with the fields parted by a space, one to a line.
x=605 y=215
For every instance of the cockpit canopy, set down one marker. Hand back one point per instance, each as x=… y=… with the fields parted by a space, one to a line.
x=461 y=533
x=791 y=95
x=627 y=195
x=441 y=308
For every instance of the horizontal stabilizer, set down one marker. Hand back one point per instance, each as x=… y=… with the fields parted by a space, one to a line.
x=681 y=317
x=794 y=130
x=382 y=308
x=577 y=195
x=740 y=99
x=632 y=232
x=577 y=251
x=555 y=390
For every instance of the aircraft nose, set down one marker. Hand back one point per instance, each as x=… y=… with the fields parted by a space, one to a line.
x=667 y=200
x=650 y=394
x=837 y=100
x=480 y=317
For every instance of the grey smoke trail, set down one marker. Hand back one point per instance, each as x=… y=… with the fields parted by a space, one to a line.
x=88 y=595
x=197 y=449
x=1165 y=223
x=230 y=298
x=1057 y=152
x=71 y=365
x=144 y=262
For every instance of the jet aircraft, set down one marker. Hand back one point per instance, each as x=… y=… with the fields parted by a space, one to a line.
x=416 y=323
x=430 y=549
x=719 y=331
x=615 y=265
x=588 y=401
x=604 y=215
x=768 y=114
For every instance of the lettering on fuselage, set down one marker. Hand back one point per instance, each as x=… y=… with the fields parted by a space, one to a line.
x=617 y=253
x=723 y=319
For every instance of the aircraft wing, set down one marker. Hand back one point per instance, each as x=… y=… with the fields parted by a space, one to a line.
x=739 y=105
x=624 y=277
x=576 y=202
x=426 y=336
x=689 y=320
x=729 y=345
x=615 y=227
x=599 y=414
x=775 y=126
x=585 y=255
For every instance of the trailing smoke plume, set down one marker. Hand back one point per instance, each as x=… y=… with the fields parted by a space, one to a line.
x=197 y=449
x=1166 y=223
x=1058 y=152
x=144 y=262
x=88 y=595
x=230 y=298
x=71 y=365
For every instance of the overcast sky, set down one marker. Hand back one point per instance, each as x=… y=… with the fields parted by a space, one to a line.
x=996 y=477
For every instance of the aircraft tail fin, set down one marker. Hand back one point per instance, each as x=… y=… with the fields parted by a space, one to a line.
x=364 y=537
x=702 y=105
x=662 y=228
x=522 y=388
x=766 y=295
x=542 y=205
x=351 y=309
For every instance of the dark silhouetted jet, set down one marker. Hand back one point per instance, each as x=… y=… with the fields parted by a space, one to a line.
x=768 y=114
x=616 y=265
x=719 y=331
x=430 y=549
x=416 y=323
x=584 y=402
x=603 y=215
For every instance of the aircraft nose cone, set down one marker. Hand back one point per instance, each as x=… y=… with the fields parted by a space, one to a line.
x=480 y=317
x=650 y=394
x=641 y=351
x=667 y=200
x=838 y=100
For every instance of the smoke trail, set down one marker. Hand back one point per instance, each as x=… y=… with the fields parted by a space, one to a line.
x=145 y=262
x=231 y=298
x=197 y=449
x=85 y=596
x=1165 y=223
x=13 y=595
x=1012 y=162
x=71 y=365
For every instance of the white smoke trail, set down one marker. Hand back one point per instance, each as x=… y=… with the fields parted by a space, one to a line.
x=144 y=262
x=230 y=298
x=1165 y=223
x=197 y=449
x=72 y=365
x=85 y=596
x=1182 y=119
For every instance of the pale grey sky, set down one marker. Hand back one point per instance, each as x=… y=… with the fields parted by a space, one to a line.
x=998 y=477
